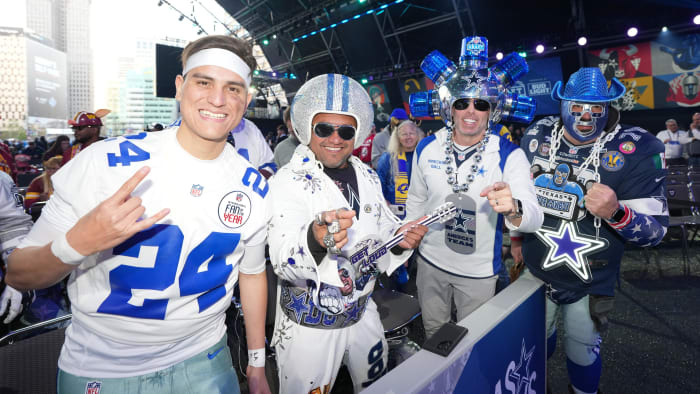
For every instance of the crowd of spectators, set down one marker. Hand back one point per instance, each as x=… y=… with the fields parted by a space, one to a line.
x=682 y=147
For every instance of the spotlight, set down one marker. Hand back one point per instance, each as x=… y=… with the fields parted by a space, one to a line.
x=274 y=36
x=664 y=29
x=274 y=74
x=499 y=56
x=364 y=81
x=256 y=72
x=265 y=41
x=181 y=17
x=582 y=41
x=522 y=54
x=632 y=31
x=696 y=20
x=539 y=48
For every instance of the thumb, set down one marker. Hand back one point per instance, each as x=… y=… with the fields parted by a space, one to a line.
x=346 y=214
x=4 y=301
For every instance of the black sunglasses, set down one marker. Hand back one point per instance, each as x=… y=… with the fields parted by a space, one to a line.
x=83 y=127
x=325 y=130
x=479 y=104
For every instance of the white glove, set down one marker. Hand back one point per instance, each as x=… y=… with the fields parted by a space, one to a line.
x=12 y=298
x=330 y=300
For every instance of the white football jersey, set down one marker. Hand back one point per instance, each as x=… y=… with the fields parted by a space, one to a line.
x=251 y=144
x=14 y=223
x=174 y=280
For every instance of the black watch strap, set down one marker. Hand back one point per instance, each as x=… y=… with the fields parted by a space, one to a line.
x=618 y=215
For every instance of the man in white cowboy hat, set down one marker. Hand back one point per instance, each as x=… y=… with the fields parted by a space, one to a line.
x=326 y=204
x=600 y=185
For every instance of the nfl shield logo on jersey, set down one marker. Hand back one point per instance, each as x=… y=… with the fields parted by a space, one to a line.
x=196 y=190
x=93 y=387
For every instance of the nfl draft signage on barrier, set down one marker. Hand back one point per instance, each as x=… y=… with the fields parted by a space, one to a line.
x=504 y=351
x=511 y=357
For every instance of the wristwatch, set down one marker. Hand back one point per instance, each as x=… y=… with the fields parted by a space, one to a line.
x=618 y=215
x=518 y=210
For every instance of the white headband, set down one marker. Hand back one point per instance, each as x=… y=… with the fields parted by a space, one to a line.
x=219 y=57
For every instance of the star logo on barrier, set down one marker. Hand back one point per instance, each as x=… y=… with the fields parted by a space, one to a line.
x=517 y=375
x=301 y=251
x=298 y=305
x=570 y=248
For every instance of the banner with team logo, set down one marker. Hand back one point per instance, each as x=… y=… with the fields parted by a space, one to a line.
x=380 y=102
x=664 y=73
x=538 y=83
x=511 y=358
x=503 y=352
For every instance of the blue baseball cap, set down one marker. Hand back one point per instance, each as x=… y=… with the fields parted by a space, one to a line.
x=399 y=113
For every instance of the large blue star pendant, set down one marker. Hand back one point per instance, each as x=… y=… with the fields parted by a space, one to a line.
x=568 y=247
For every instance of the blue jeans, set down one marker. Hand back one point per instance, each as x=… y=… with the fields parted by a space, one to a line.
x=210 y=371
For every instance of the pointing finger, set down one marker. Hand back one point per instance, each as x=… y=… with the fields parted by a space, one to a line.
x=486 y=191
x=499 y=186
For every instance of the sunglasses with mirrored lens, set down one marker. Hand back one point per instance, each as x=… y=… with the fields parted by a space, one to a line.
x=325 y=130
x=479 y=104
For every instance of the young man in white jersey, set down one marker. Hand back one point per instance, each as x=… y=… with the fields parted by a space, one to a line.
x=154 y=230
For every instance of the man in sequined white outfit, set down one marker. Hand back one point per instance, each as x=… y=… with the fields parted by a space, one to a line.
x=325 y=198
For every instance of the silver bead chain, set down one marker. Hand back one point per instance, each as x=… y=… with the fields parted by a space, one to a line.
x=452 y=174
x=593 y=158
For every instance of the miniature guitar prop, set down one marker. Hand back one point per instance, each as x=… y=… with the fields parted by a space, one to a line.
x=360 y=267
